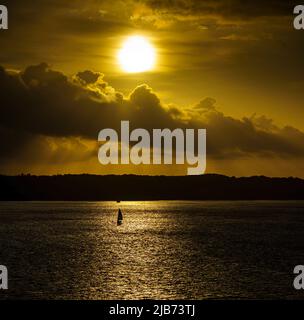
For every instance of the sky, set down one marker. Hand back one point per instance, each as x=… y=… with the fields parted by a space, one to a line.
x=233 y=67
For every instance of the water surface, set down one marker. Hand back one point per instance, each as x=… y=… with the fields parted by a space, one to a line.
x=163 y=250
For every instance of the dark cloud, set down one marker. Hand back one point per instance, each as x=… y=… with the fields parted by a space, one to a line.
x=225 y=8
x=69 y=16
x=89 y=77
x=208 y=104
x=232 y=138
x=44 y=112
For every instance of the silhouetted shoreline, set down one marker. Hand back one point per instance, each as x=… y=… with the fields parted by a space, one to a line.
x=87 y=187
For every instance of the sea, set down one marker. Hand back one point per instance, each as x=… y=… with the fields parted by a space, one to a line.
x=163 y=250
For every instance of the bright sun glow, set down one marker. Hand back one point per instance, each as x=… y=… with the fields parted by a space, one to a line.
x=136 y=55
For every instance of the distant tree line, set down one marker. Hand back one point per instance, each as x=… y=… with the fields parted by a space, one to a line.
x=132 y=187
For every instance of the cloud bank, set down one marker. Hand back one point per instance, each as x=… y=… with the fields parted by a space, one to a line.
x=50 y=118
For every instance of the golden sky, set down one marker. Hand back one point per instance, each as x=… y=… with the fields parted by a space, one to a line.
x=233 y=67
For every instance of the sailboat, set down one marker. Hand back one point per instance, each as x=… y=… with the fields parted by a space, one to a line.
x=119 y=217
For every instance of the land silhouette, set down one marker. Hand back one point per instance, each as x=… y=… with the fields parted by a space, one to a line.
x=87 y=187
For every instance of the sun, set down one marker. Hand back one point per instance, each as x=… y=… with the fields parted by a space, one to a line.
x=136 y=55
